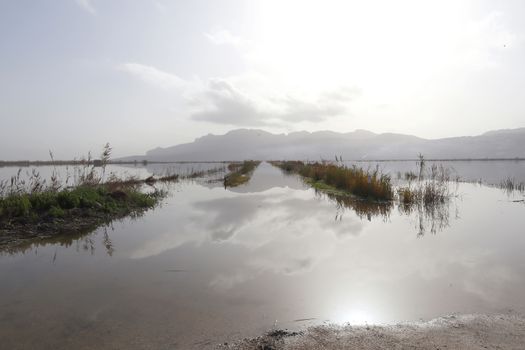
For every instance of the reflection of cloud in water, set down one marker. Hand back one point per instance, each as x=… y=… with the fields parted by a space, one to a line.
x=264 y=215
x=286 y=231
x=223 y=217
x=282 y=231
x=161 y=243
x=228 y=281
x=267 y=177
x=261 y=215
x=240 y=247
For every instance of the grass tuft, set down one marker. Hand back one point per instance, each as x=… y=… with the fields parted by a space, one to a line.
x=94 y=198
x=372 y=185
x=240 y=173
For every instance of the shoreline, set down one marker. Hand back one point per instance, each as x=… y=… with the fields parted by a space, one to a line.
x=26 y=216
x=28 y=163
x=467 y=331
x=14 y=235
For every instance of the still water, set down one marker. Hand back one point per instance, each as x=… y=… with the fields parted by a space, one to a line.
x=212 y=265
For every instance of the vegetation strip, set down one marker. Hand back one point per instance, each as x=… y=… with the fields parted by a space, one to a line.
x=34 y=208
x=45 y=213
x=328 y=177
x=429 y=187
x=240 y=173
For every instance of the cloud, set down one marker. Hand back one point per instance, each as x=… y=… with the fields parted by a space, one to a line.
x=153 y=76
x=223 y=37
x=246 y=100
x=297 y=110
x=223 y=103
x=86 y=5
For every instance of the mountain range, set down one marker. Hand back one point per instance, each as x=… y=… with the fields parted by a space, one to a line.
x=243 y=144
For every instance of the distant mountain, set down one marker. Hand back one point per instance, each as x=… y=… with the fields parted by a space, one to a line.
x=360 y=144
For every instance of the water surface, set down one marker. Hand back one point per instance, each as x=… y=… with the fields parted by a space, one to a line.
x=213 y=264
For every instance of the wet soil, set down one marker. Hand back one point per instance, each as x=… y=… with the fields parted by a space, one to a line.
x=505 y=331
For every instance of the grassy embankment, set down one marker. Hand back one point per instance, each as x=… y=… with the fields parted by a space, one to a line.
x=34 y=207
x=370 y=193
x=337 y=179
x=429 y=187
x=240 y=173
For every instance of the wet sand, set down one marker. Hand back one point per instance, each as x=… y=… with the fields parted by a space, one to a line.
x=505 y=331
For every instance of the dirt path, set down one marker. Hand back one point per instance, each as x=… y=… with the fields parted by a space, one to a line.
x=451 y=332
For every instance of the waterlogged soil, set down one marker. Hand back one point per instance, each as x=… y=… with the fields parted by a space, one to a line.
x=214 y=265
x=504 y=331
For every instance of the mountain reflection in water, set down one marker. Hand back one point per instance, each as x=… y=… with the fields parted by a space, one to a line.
x=213 y=265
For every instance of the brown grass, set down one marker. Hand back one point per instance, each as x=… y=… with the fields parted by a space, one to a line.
x=240 y=173
x=368 y=184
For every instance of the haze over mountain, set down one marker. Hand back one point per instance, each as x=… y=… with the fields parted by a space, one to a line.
x=360 y=144
x=76 y=74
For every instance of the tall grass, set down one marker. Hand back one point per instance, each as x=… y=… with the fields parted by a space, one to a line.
x=425 y=194
x=240 y=173
x=427 y=197
x=33 y=198
x=511 y=185
x=432 y=186
x=368 y=184
x=193 y=174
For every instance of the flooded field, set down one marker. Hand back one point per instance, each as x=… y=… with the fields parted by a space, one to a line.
x=213 y=265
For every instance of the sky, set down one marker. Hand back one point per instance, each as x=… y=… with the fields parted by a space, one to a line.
x=75 y=74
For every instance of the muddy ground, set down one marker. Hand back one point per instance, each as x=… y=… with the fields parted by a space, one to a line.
x=506 y=331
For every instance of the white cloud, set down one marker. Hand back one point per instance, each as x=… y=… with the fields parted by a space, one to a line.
x=153 y=76
x=246 y=100
x=223 y=37
x=86 y=5
x=224 y=103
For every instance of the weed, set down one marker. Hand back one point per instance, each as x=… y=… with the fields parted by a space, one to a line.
x=366 y=184
x=240 y=173
x=510 y=185
x=33 y=200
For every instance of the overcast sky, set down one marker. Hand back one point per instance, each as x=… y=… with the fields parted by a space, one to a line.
x=141 y=74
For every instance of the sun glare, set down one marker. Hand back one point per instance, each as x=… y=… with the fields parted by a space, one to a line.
x=377 y=44
x=356 y=316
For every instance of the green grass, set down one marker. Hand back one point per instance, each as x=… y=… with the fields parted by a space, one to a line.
x=240 y=173
x=366 y=184
x=34 y=208
x=87 y=200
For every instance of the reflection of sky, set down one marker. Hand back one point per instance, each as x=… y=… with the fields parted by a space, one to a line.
x=219 y=260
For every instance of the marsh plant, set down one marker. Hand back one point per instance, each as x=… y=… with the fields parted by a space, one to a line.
x=366 y=184
x=369 y=193
x=511 y=185
x=240 y=173
x=92 y=194
x=193 y=173
x=431 y=187
x=428 y=196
